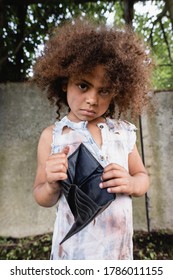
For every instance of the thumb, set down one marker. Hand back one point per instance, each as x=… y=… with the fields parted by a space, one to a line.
x=66 y=150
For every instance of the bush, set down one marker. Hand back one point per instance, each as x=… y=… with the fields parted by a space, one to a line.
x=147 y=246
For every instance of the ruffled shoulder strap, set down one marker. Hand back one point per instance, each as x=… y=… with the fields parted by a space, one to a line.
x=57 y=132
x=126 y=127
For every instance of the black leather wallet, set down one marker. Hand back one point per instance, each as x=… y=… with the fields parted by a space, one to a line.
x=81 y=189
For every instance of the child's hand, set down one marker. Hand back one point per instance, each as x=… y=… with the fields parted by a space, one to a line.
x=56 y=166
x=117 y=179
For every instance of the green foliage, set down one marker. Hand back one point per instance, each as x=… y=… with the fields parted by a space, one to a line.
x=153 y=246
x=147 y=246
x=37 y=25
x=25 y=30
x=28 y=248
x=157 y=32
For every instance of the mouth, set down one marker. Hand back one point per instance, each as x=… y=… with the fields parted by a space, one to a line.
x=87 y=112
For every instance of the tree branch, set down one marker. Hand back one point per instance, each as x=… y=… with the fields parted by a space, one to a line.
x=158 y=19
x=166 y=40
x=169 y=6
x=129 y=11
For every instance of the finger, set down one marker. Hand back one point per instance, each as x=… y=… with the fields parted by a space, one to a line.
x=61 y=167
x=66 y=150
x=113 y=174
x=57 y=159
x=54 y=177
x=114 y=183
x=118 y=189
x=58 y=155
x=113 y=166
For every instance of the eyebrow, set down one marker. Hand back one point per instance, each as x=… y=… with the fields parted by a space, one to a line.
x=90 y=84
x=86 y=82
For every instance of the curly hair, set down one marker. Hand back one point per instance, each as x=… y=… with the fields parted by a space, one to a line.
x=78 y=46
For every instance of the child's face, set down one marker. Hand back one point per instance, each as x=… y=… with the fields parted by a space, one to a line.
x=88 y=97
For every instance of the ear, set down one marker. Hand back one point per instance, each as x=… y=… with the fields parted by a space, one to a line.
x=64 y=88
x=64 y=85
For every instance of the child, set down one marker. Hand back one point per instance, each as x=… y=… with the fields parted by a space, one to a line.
x=98 y=73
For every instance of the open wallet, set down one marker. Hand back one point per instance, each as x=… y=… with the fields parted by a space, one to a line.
x=81 y=189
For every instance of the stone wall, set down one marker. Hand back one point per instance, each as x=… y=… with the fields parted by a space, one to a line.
x=24 y=113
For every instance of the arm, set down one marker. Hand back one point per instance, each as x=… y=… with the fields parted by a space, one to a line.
x=50 y=169
x=119 y=180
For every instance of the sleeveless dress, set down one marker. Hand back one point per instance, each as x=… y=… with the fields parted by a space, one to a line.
x=109 y=235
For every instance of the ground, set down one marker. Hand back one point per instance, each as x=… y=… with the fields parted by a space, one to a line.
x=147 y=246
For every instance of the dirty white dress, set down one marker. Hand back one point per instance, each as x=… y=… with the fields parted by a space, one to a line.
x=109 y=236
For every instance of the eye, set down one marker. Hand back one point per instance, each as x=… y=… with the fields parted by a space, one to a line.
x=104 y=92
x=83 y=87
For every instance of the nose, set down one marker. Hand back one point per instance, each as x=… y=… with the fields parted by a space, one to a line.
x=92 y=98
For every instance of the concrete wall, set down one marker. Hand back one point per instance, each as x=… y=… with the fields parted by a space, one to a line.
x=24 y=113
x=158 y=140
